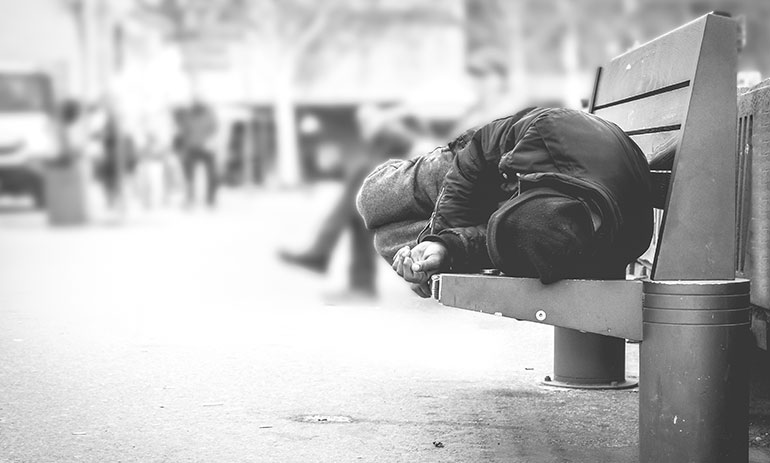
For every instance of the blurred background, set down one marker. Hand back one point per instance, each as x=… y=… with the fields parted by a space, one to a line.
x=181 y=266
x=286 y=84
x=126 y=111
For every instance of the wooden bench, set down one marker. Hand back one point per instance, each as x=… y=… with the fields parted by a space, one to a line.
x=691 y=315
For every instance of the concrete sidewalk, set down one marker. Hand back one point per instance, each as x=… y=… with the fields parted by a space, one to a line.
x=179 y=337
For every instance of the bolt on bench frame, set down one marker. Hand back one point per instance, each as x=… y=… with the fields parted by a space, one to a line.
x=692 y=315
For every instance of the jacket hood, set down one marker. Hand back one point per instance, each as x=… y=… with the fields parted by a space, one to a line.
x=543 y=233
x=598 y=198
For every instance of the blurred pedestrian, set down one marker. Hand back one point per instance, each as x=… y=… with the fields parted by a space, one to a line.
x=153 y=156
x=243 y=165
x=197 y=127
x=74 y=136
x=393 y=139
x=118 y=158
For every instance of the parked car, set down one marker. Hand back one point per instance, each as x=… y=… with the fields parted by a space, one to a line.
x=28 y=131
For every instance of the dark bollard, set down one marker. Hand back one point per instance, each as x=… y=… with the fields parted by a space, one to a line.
x=694 y=376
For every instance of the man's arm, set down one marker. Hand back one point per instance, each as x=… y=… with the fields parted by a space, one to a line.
x=466 y=247
x=467 y=199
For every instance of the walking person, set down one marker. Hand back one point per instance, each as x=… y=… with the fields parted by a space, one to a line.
x=197 y=127
x=392 y=140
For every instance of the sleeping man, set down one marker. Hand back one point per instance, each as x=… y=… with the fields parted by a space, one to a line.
x=545 y=193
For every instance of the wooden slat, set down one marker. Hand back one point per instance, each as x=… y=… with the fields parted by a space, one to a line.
x=661 y=110
x=667 y=60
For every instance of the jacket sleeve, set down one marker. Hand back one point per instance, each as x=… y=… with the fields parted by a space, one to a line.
x=467 y=247
x=463 y=207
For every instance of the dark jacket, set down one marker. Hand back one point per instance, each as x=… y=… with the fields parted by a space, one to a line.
x=570 y=151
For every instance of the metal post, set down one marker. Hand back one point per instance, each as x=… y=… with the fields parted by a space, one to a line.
x=693 y=393
x=588 y=361
x=583 y=360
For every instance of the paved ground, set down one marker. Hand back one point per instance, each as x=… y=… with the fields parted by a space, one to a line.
x=177 y=336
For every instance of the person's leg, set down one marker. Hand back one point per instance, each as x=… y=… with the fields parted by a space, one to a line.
x=363 y=265
x=344 y=211
x=211 y=175
x=188 y=169
x=317 y=257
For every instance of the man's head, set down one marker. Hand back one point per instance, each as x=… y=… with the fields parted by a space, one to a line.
x=545 y=236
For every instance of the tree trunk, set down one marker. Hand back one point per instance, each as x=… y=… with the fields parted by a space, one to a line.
x=518 y=67
x=570 y=50
x=289 y=166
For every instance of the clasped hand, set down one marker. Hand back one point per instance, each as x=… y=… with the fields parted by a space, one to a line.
x=416 y=265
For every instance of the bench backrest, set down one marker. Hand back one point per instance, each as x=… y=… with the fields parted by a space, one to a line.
x=682 y=85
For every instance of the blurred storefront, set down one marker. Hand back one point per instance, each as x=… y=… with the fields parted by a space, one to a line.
x=314 y=84
x=287 y=80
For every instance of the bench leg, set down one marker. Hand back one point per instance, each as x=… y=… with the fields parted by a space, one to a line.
x=588 y=361
x=694 y=372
